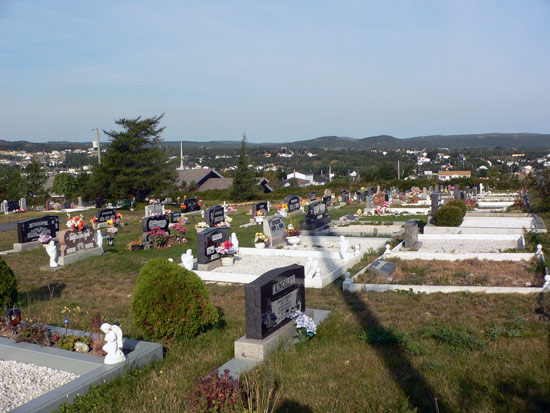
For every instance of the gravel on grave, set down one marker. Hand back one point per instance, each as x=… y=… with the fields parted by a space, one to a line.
x=255 y=264
x=466 y=246
x=22 y=382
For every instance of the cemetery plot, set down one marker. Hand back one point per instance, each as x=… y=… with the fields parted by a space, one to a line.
x=458 y=273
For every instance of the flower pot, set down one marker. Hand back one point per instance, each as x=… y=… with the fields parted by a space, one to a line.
x=283 y=213
x=260 y=245
x=259 y=219
x=227 y=260
x=293 y=240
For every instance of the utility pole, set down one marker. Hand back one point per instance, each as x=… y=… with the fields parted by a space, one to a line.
x=398 y=172
x=98 y=148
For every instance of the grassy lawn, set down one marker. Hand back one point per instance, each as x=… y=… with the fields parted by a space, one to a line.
x=379 y=352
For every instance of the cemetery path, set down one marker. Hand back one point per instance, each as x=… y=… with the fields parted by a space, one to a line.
x=8 y=226
x=418 y=391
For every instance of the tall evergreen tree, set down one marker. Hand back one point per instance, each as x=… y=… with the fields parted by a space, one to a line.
x=134 y=165
x=35 y=178
x=243 y=188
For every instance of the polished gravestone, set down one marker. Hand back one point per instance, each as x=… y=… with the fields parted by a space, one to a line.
x=77 y=245
x=383 y=269
x=312 y=196
x=293 y=202
x=259 y=206
x=316 y=216
x=31 y=229
x=191 y=205
x=104 y=215
x=207 y=242
x=214 y=215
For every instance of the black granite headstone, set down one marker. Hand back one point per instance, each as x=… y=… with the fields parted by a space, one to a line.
x=312 y=196
x=345 y=195
x=191 y=204
x=207 y=242
x=272 y=298
x=160 y=221
x=31 y=229
x=326 y=200
x=259 y=206
x=293 y=202
x=12 y=206
x=174 y=216
x=316 y=216
x=214 y=215
x=104 y=215
x=99 y=202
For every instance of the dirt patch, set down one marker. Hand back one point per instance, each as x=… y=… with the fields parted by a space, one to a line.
x=461 y=273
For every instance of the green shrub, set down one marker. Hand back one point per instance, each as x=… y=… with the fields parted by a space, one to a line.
x=458 y=203
x=448 y=216
x=8 y=286
x=170 y=301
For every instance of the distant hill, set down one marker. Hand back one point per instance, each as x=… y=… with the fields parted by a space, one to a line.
x=517 y=141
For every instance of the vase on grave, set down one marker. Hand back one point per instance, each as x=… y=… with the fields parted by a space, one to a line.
x=259 y=245
x=228 y=260
x=111 y=241
x=293 y=240
x=259 y=219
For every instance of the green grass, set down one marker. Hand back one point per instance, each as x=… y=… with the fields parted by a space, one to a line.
x=470 y=352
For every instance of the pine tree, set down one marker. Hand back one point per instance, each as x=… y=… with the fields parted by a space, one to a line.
x=243 y=188
x=135 y=165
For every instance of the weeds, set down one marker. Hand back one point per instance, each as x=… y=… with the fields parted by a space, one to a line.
x=463 y=337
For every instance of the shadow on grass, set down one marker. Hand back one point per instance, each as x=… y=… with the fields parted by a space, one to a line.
x=292 y=406
x=44 y=293
x=418 y=392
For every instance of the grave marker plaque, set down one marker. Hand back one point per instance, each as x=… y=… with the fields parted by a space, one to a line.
x=272 y=298
x=160 y=221
x=274 y=228
x=259 y=206
x=317 y=216
x=214 y=215
x=191 y=204
x=104 y=215
x=293 y=202
x=73 y=241
x=31 y=229
x=383 y=268
x=207 y=242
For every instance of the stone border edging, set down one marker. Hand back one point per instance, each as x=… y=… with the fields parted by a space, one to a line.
x=353 y=287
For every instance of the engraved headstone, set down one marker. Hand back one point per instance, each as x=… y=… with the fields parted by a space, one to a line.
x=207 y=242
x=31 y=229
x=435 y=202
x=316 y=216
x=457 y=191
x=272 y=298
x=293 y=202
x=370 y=201
x=312 y=196
x=214 y=215
x=23 y=203
x=383 y=268
x=74 y=240
x=104 y=215
x=156 y=221
x=327 y=200
x=411 y=235
x=344 y=195
x=259 y=206
x=190 y=205
x=274 y=228
x=155 y=209
x=174 y=216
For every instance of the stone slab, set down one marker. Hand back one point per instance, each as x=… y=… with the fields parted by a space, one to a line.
x=78 y=256
x=92 y=370
x=209 y=266
x=23 y=246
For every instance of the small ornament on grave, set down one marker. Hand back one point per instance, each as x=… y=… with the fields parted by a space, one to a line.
x=14 y=316
x=259 y=239
x=113 y=348
x=187 y=260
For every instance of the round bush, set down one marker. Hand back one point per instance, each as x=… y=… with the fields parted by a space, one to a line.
x=170 y=301
x=458 y=203
x=8 y=286
x=448 y=216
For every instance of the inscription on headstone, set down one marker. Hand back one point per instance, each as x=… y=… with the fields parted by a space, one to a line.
x=104 y=215
x=155 y=209
x=317 y=216
x=383 y=268
x=214 y=215
x=326 y=200
x=73 y=241
x=272 y=298
x=312 y=196
x=174 y=217
x=274 y=228
x=344 y=195
x=207 y=242
x=293 y=202
x=259 y=206
x=190 y=205
x=160 y=221
x=31 y=229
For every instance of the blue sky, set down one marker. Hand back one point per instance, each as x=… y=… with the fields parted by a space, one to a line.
x=279 y=70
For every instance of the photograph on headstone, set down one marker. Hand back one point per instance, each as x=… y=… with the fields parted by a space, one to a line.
x=316 y=216
x=207 y=243
x=275 y=229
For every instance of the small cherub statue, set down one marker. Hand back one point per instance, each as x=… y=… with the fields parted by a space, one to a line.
x=99 y=238
x=344 y=245
x=187 y=259
x=113 y=348
x=235 y=242
x=51 y=249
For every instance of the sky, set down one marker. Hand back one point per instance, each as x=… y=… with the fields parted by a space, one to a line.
x=279 y=71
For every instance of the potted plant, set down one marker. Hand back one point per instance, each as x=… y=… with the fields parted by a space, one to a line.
x=227 y=252
x=259 y=216
x=260 y=240
x=282 y=209
x=94 y=223
x=292 y=235
x=201 y=226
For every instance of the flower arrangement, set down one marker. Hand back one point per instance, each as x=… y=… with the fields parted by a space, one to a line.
x=283 y=206
x=134 y=245
x=111 y=221
x=183 y=220
x=93 y=220
x=152 y=201
x=112 y=230
x=223 y=224
x=201 y=225
x=260 y=237
x=231 y=208
x=44 y=238
x=159 y=237
x=358 y=213
x=228 y=219
x=179 y=234
x=75 y=222
x=260 y=213
x=303 y=201
x=118 y=216
x=291 y=232
x=167 y=211
x=226 y=249
x=305 y=326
